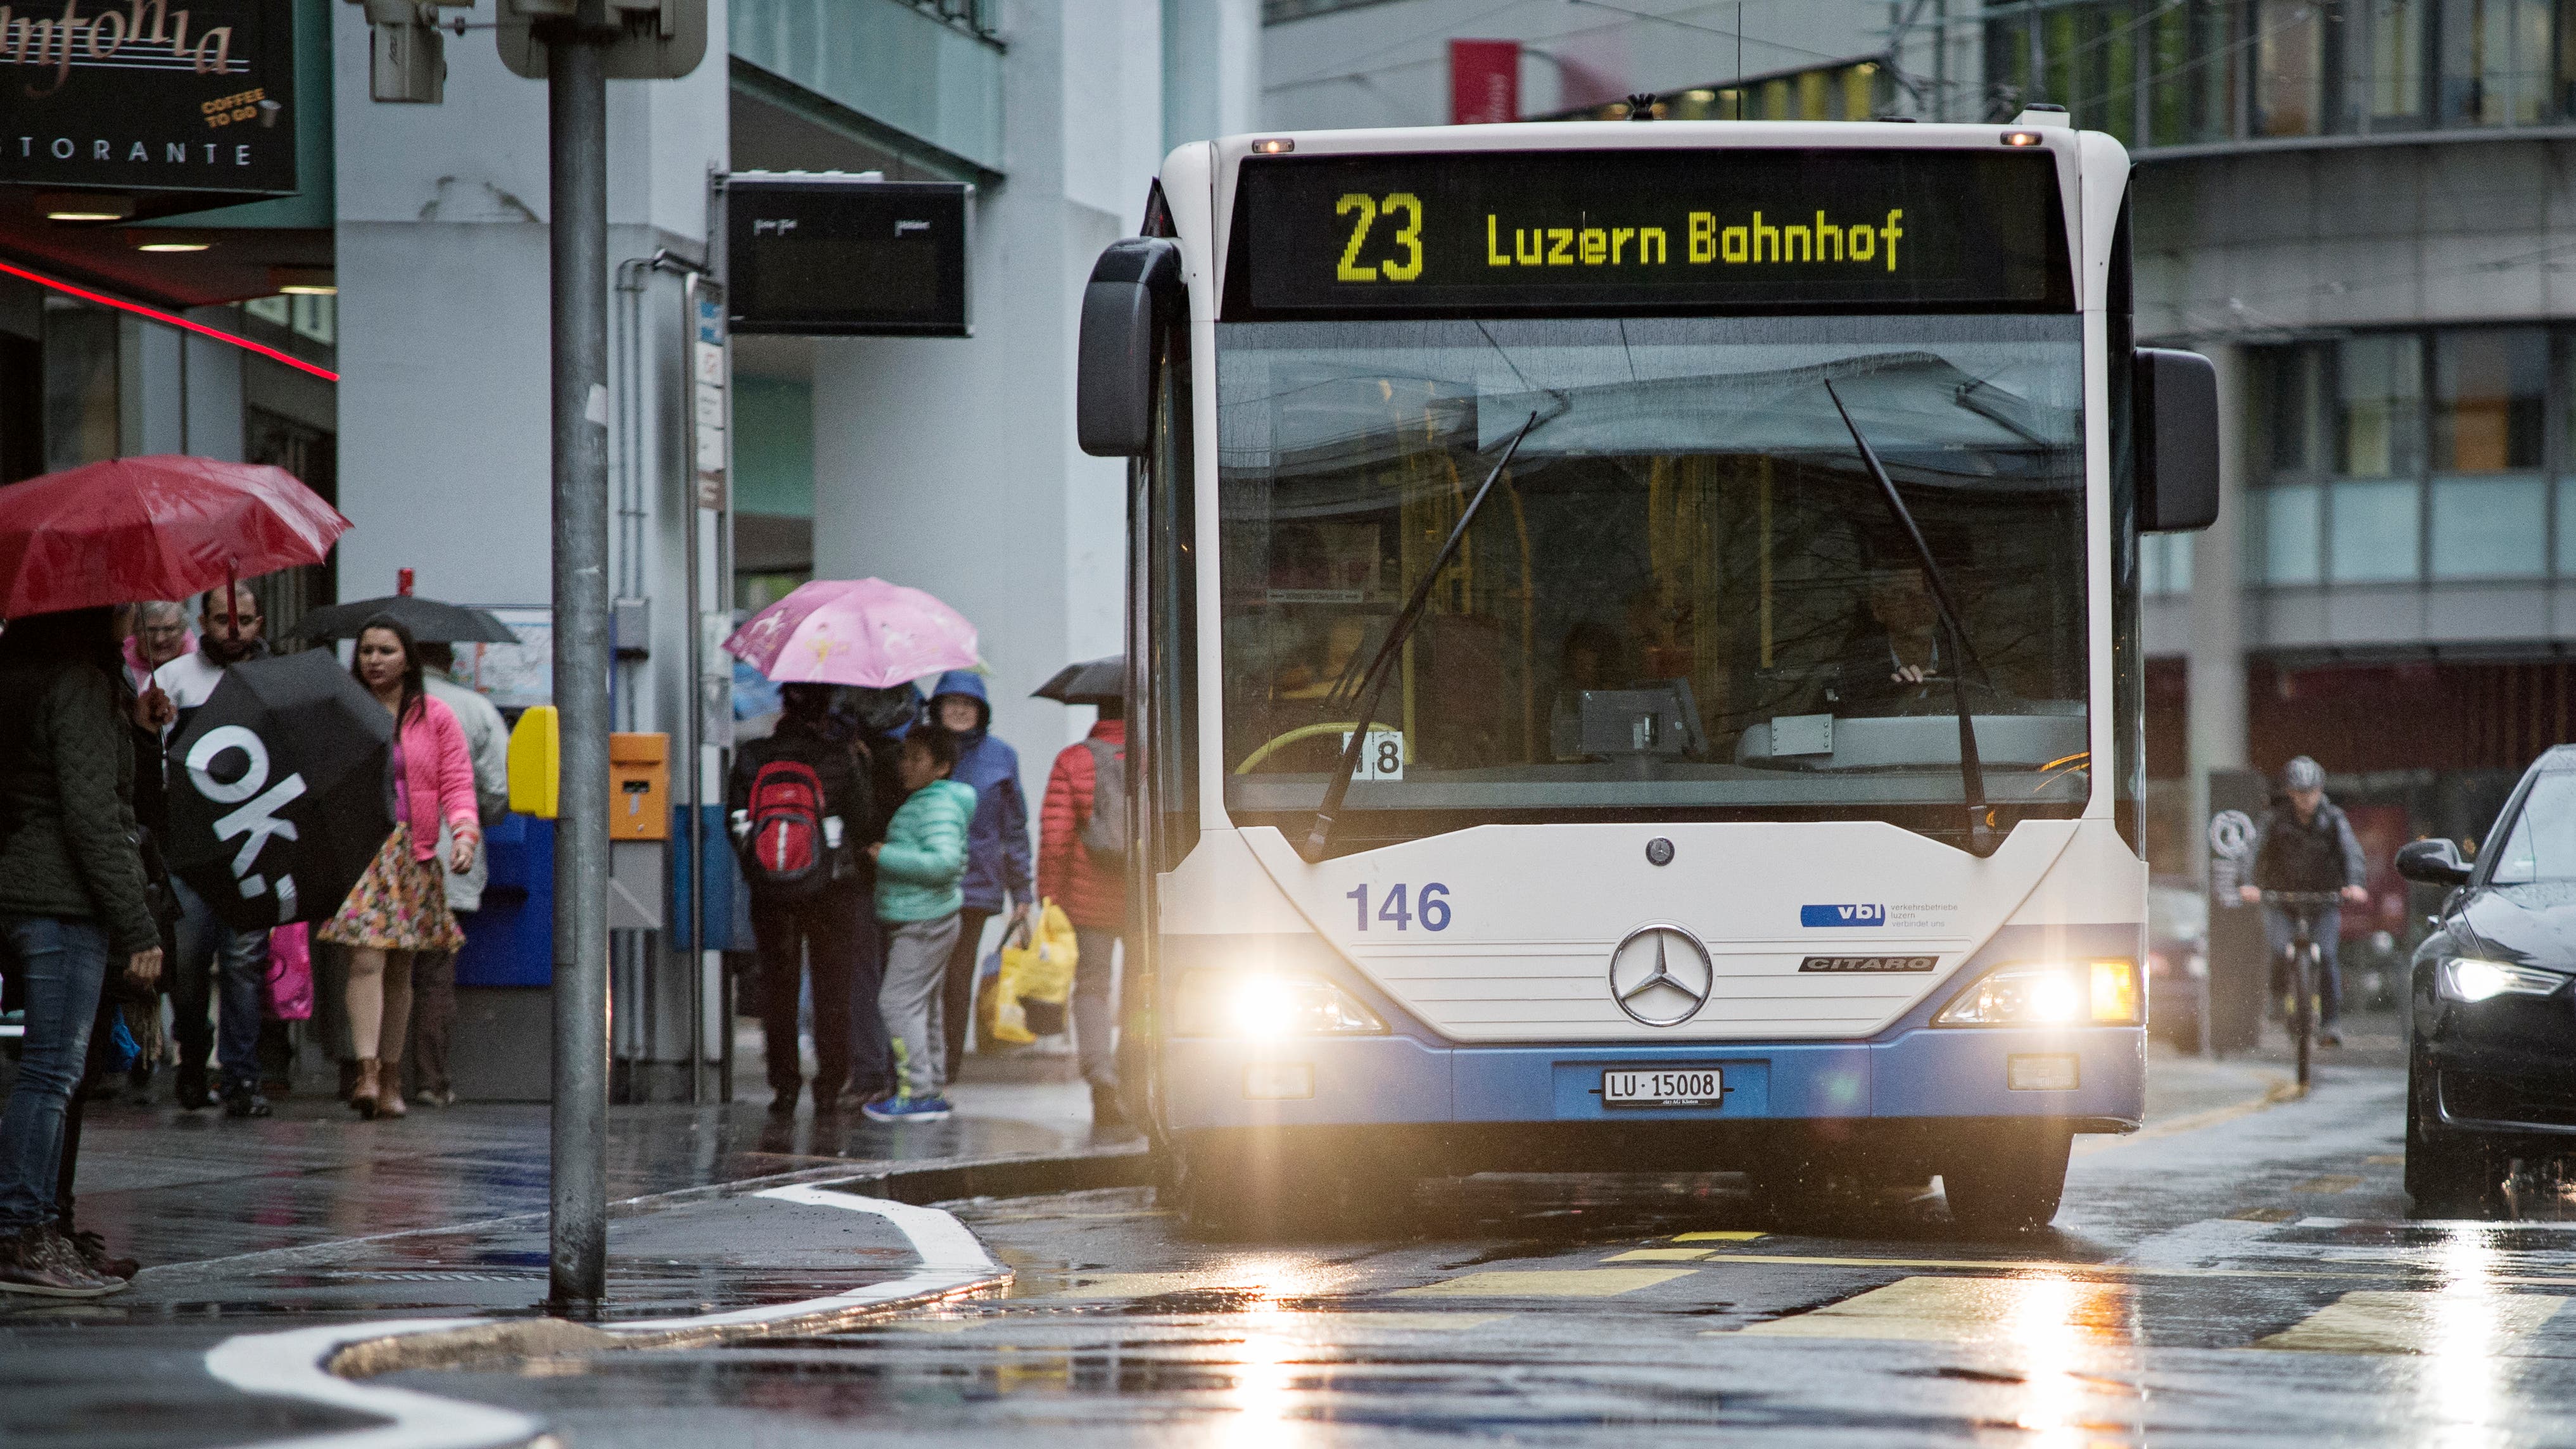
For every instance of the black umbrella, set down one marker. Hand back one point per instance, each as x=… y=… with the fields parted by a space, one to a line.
x=279 y=793
x=430 y=621
x=1094 y=681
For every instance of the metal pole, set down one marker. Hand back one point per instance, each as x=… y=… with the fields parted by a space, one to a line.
x=577 y=123
x=693 y=759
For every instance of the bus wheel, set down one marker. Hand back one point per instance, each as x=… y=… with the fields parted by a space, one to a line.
x=2008 y=1186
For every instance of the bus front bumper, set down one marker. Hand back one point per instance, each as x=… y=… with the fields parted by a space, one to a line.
x=1913 y=1074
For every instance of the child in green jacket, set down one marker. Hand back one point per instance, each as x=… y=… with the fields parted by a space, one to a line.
x=920 y=864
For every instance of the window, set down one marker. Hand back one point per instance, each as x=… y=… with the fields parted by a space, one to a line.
x=2488 y=386
x=2496 y=62
x=2290 y=68
x=2164 y=563
x=2376 y=527
x=2379 y=406
x=2289 y=539
x=2385 y=42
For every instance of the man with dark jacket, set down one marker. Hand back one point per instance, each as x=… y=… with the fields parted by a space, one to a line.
x=212 y=955
x=813 y=922
x=2306 y=844
x=997 y=841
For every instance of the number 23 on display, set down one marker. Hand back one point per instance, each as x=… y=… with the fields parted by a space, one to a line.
x=1430 y=905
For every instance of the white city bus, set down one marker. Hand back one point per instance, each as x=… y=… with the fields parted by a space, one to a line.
x=1634 y=655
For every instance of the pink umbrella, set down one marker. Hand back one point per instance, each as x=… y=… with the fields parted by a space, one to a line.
x=865 y=632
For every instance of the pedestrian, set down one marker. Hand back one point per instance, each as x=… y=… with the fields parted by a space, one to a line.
x=161 y=634
x=2306 y=844
x=997 y=843
x=875 y=720
x=214 y=960
x=72 y=902
x=433 y=973
x=794 y=803
x=1091 y=886
x=399 y=907
x=920 y=867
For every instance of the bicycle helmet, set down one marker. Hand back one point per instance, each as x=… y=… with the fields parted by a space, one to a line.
x=2303 y=774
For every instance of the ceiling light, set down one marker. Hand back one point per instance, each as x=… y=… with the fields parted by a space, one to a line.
x=85 y=206
x=310 y=289
x=174 y=246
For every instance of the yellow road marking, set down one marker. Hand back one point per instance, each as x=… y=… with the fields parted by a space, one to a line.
x=1546 y=1283
x=2114 y=1270
x=1660 y=1255
x=2331 y=1182
x=1970 y=1310
x=2476 y=1324
x=2282 y=1090
x=2265 y=1215
x=2385 y=1159
x=1402 y=1322
x=1730 y=1236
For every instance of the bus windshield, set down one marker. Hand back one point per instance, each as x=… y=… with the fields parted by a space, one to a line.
x=1686 y=597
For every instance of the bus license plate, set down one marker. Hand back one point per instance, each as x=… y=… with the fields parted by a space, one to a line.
x=1674 y=1087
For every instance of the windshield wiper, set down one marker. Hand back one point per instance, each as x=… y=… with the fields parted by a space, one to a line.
x=1373 y=683
x=1972 y=773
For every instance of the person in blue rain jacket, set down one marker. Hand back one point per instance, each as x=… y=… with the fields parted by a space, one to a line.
x=997 y=842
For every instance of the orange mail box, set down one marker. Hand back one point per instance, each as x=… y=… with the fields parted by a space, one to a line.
x=639 y=787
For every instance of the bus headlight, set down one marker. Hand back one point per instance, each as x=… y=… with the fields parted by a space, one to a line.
x=2050 y=993
x=2466 y=978
x=1269 y=1004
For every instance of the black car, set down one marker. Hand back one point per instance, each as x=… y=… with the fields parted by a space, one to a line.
x=2491 y=1068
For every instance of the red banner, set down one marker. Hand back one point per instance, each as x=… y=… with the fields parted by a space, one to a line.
x=1484 y=82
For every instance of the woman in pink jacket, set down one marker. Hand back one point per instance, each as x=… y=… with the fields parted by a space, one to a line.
x=400 y=905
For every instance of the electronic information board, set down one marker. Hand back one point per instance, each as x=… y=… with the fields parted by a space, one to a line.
x=830 y=255
x=1643 y=232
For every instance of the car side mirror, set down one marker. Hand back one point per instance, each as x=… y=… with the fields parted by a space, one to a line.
x=1135 y=284
x=2176 y=402
x=2432 y=862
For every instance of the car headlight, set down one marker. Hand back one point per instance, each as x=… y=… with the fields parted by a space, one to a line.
x=2467 y=978
x=2050 y=993
x=1269 y=1004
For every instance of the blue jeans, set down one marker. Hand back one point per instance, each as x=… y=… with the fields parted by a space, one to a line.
x=64 y=965
x=2326 y=932
x=214 y=957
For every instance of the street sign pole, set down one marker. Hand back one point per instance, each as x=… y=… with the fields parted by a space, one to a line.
x=577 y=124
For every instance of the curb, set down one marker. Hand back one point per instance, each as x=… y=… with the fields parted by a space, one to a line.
x=332 y=1364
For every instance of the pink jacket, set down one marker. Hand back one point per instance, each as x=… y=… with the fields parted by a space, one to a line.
x=439 y=774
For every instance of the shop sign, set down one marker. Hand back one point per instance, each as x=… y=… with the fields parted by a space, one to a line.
x=149 y=95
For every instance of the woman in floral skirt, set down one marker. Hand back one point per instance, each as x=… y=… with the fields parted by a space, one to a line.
x=400 y=905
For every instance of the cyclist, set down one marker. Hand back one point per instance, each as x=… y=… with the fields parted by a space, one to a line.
x=2306 y=844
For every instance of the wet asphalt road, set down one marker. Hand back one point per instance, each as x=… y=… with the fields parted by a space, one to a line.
x=2236 y=1276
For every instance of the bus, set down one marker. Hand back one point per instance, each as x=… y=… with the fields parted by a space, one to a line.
x=1634 y=656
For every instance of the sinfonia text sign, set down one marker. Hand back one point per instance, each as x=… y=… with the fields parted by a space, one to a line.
x=155 y=95
x=843 y=256
x=1552 y=233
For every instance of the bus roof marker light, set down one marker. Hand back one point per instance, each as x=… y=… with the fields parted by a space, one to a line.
x=2021 y=138
x=1273 y=146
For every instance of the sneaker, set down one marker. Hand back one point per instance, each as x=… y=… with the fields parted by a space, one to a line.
x=908 y=1109
x=94 y=1256
x=244 y=1102
x=36 y=1260
x=2329 y=1038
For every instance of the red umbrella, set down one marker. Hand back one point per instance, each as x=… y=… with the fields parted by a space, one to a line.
x=161 y=527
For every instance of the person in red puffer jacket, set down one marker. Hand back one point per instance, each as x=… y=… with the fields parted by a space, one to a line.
x=1092 y=889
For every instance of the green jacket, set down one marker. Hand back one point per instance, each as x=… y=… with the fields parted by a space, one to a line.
x=925 y=854
x=67 y=835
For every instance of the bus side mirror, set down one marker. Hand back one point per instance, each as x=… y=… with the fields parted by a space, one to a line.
x=1113 y=396
x=2432 y=862
x=2177 y=433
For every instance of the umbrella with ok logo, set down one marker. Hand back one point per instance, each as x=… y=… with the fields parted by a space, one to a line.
x=279 y=791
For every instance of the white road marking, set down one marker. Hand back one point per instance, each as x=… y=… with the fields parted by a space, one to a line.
x=292 y=1364
x=2429 y=1323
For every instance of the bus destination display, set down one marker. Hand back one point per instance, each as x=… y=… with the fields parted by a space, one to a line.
x=1522 y=233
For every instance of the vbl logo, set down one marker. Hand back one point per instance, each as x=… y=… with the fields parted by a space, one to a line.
x=1842 y=915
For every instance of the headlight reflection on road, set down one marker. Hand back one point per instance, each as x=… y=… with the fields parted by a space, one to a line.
x=1267 y=1361
x=2059 y=1329
x=2462 y=1381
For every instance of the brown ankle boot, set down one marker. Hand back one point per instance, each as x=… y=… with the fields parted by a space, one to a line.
x=363 y=1097
x=389 y=1097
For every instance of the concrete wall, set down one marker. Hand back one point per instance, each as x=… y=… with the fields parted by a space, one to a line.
x=950 y=464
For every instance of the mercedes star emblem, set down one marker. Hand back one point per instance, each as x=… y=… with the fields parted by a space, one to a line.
x=1661 y=975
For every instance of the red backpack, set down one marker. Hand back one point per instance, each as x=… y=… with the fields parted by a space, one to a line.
x=785 y=847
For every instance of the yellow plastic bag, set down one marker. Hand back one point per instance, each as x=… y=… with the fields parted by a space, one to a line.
x=1036 y=967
